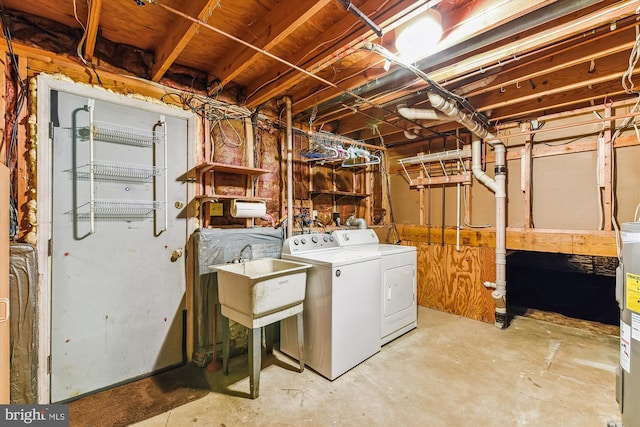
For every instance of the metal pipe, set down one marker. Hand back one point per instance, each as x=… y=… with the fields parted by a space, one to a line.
x=538 y=17
x=349 y=7
x=289 y=137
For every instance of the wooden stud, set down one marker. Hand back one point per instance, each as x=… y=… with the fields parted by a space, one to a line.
x=93 y=22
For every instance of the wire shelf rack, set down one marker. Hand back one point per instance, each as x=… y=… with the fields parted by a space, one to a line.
x=117 y=171
x=440 y=166
x=120 y=134
x=117 y=210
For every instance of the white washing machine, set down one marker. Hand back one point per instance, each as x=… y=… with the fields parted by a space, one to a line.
x=398 y=280
x=341 y=306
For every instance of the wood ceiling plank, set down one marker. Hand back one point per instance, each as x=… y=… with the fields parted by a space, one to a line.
x=478 y=16
x=276 y=28
x=339 y=41
x=93 y=22
x=517 y=72
x=179 y=36
x=480 y=103
x=562 y=81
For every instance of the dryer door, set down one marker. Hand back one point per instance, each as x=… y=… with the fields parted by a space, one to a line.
x=398 y=289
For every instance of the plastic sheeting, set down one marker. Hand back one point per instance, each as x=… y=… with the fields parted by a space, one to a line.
x=23 y=283
x=213 y=246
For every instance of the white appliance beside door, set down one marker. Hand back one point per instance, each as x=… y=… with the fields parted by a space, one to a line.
x=398 y=275
x=118 y=232
x=341 y=306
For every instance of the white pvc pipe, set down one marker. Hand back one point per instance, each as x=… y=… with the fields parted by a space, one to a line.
x=419 y=113
x=497 y=185
x=500 y=294
x=476 y=166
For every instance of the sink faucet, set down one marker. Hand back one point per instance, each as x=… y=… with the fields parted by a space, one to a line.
x=240 y=258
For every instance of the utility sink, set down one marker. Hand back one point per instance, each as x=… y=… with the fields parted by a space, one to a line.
x=259 y=292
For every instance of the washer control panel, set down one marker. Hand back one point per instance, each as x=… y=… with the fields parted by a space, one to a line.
x=309 y=242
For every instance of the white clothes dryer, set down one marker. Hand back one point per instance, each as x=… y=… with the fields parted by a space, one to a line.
x=341 y=307
x=399 y=308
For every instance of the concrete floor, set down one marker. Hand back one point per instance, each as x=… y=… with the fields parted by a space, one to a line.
x=450 y=371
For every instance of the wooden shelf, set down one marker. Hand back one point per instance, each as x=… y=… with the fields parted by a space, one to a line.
x=341 y=194
x=202 y=168
x=212 y=197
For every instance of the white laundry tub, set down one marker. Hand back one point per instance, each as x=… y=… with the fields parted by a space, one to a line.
x=262 y=291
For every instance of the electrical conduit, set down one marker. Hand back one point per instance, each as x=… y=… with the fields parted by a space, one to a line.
x=497 y=185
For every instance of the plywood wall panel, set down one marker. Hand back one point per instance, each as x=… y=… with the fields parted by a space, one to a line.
x=453 y=281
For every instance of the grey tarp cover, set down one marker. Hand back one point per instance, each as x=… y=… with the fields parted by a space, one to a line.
x=213 y=246
x=23 y=285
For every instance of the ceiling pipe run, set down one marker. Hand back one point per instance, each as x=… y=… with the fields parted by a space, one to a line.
x=419 y=113
x=541 y=16
x=497 y=185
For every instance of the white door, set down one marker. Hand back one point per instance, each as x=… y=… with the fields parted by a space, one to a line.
x=118 y=234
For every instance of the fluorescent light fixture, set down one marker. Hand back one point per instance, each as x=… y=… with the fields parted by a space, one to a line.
x=418 y=37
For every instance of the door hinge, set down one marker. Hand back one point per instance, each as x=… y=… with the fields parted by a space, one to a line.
x=51 y=131
x=49 y=247
x=49 y=364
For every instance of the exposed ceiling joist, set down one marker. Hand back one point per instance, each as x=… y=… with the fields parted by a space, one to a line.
x=277 y=26
x=93 y=22
x=179 y=36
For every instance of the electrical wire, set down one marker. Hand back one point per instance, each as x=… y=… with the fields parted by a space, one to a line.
x=84 y=32
x=13 y=143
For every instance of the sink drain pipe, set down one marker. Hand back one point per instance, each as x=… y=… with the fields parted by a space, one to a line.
x=497 y=185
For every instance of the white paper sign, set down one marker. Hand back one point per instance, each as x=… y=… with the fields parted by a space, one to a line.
x=625 y=346
x=635 y=326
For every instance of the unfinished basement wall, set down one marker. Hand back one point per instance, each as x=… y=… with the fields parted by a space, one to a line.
x=567 y=183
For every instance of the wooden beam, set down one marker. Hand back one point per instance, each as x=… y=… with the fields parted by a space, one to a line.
x=93 y=22
x=419 y=183
x=340 y=39
x=577 y=242
x=276 y=28
x=469 y=21
x=575 y=52
x=511 y=50
x=179 y=35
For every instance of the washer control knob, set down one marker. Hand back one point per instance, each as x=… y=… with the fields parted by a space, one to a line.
x=314 y=239
x=303 y=241
x=295 y=242
x=346 y=237
x=331 y=238
x=325 y=238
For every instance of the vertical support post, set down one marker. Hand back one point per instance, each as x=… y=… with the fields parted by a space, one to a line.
x=300 y=330
x=607 y=196
x=224 y=325
x=255 y=362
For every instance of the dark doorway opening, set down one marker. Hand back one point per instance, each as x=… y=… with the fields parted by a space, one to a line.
x=577 y=286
